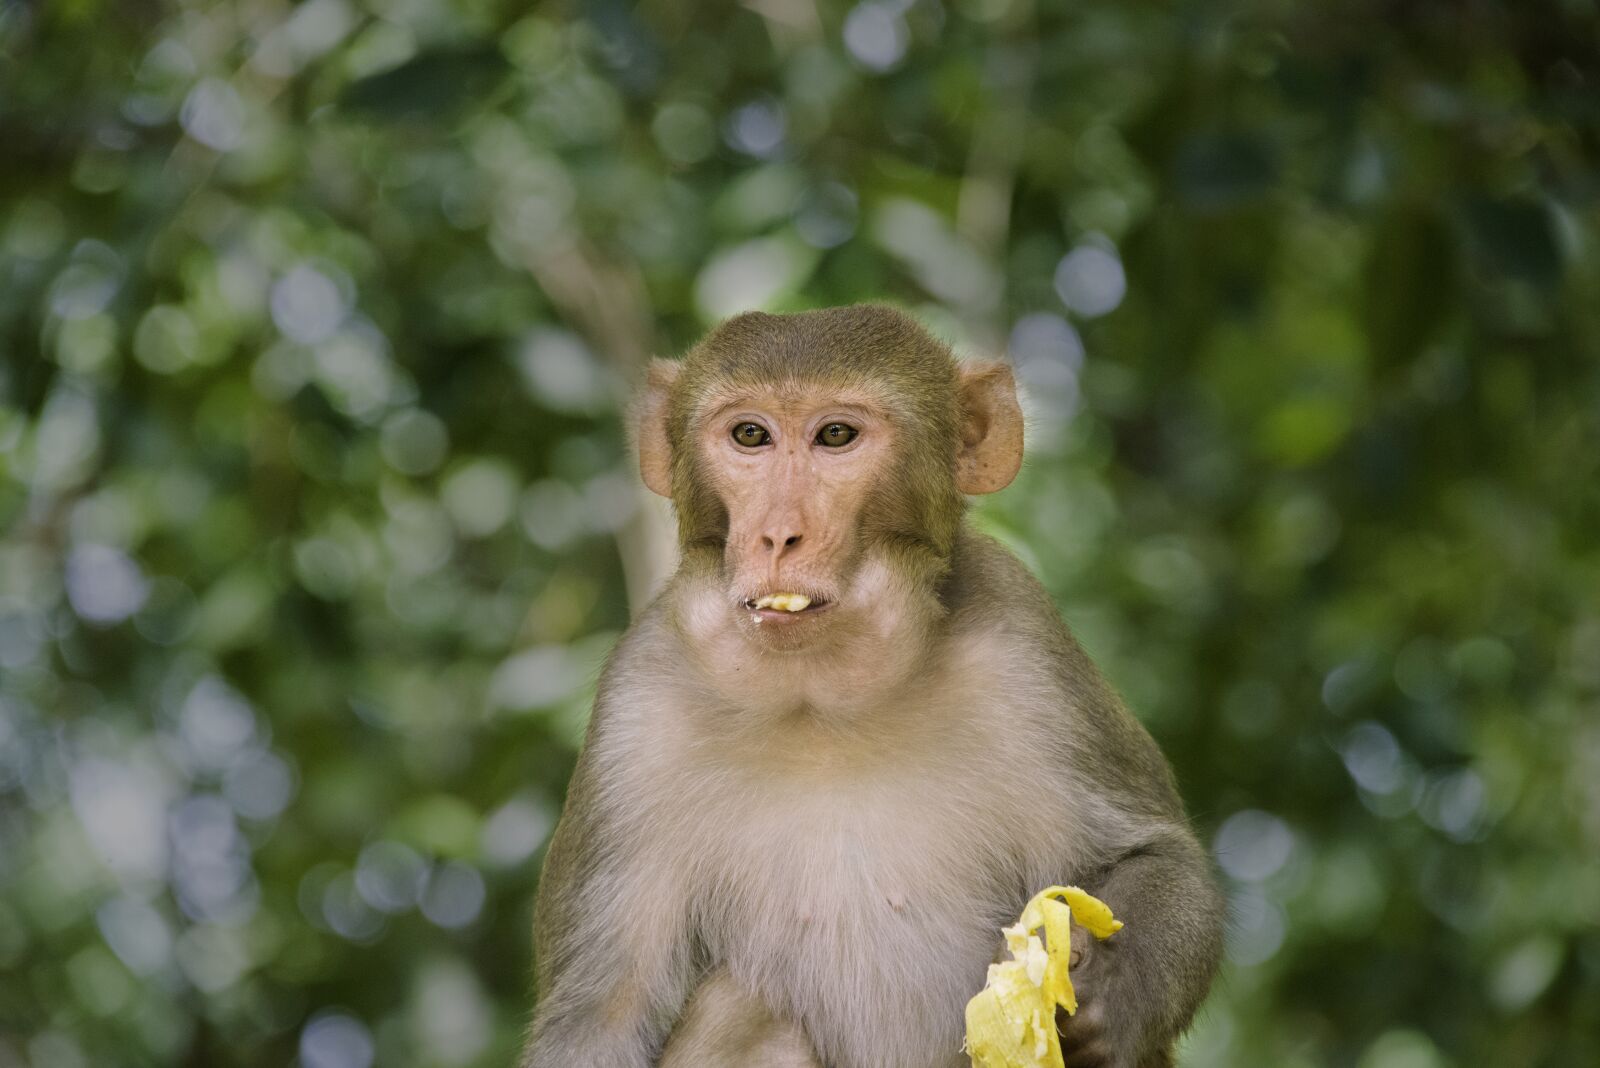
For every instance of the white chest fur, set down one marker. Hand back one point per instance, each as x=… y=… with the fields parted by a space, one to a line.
x=818 y=862
x=825 y=896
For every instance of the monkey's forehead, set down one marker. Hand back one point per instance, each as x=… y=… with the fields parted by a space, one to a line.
x=850 y=345
x=795 y=395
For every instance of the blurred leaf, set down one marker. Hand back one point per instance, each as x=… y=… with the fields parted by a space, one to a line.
x=1515 y=239
x=1409 y=282
x=1216 y=171
x=442 y=825
x=431 y=85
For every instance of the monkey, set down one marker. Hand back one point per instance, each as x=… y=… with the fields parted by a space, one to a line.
x=849 y=740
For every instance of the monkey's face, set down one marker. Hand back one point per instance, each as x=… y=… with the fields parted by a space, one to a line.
x=794 y=470
x=817 y=462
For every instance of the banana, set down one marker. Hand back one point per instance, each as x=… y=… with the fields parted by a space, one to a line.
x=1011 y=1022
x=784 y=602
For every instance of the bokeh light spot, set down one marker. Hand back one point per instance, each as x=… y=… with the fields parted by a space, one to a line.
x=104 y=584
x=758 y=128
x=1253 y=845
x=336 y=1040
x=213 y=114
x=414 y=442
x=455 y=894
x=1090 y=280
x=308 y=305
x=876 y=36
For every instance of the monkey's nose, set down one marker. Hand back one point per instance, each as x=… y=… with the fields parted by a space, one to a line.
x=778 y=542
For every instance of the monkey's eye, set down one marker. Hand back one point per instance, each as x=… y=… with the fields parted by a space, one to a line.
x=836 y=435
x=751 y=435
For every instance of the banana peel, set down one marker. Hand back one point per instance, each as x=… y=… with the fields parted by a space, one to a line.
x=1011 y=1022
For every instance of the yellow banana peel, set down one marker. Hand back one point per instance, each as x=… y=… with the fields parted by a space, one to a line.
x=1011 y=1022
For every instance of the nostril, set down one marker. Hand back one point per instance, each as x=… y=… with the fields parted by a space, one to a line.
x=777 y=544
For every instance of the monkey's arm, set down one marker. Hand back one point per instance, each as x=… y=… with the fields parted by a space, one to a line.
x=1140 y=989
x=610 y=938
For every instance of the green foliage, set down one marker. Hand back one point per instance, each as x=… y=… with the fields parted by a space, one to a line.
x=318 y=321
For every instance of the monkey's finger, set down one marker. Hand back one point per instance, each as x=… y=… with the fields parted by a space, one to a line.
x=1078 y=1029
x=1093 y=1055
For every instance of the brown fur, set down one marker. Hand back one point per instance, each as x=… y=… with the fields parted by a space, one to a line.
x=810 y=831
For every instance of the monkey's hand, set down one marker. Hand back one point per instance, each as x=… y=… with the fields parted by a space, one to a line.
x=1086 y=1040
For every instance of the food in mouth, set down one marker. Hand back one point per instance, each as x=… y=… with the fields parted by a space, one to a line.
x=783 y=602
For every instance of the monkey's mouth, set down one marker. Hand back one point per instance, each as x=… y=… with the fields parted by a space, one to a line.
x=785 y=607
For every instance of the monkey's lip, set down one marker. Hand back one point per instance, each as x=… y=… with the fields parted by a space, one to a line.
x=780 y=616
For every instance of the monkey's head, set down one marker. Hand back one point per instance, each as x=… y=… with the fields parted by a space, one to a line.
x=824 y=454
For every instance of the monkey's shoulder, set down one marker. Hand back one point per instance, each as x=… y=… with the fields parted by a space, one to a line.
x=992 y=593
x=988 y=582
x=646 y=658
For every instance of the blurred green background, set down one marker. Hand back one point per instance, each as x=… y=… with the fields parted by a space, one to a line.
x=318 y=511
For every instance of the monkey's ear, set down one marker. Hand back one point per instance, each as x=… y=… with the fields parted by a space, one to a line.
x=990 y=453
x=655 y=448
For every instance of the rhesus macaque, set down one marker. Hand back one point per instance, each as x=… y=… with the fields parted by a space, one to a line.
x=849 y=740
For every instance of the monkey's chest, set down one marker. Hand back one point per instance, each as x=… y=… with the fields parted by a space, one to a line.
x=870 y=923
